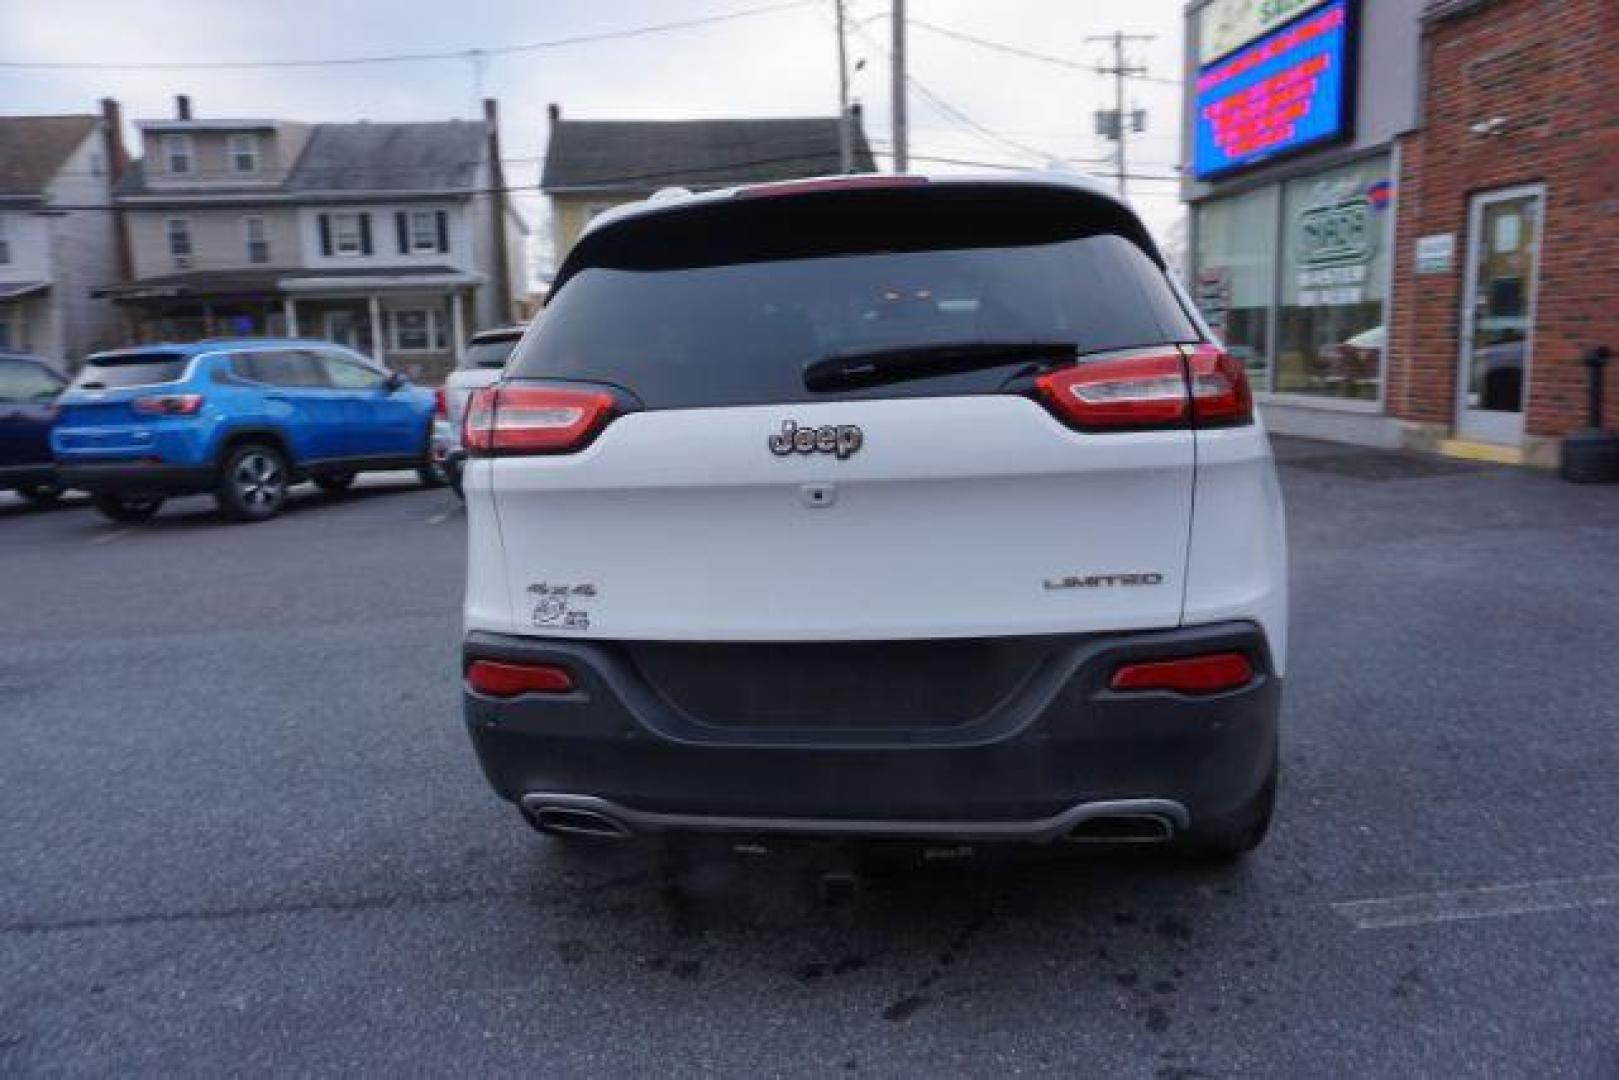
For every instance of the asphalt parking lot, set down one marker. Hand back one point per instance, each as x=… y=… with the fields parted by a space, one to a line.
x=242 y=831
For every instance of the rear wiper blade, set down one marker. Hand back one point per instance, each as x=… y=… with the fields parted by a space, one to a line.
x=878 y=367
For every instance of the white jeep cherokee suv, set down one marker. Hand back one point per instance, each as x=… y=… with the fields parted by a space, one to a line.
x=887 y=506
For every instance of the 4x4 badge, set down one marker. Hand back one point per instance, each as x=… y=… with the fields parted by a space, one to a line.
x=840 y=439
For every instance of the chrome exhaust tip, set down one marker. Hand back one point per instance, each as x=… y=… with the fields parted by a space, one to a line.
x=1123 y=829
x=570 y=821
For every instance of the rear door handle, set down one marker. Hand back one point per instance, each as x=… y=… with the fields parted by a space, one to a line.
x=275 y=397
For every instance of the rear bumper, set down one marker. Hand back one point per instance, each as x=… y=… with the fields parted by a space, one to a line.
x=1061 y=748
x=137 y=477
x=16 y=476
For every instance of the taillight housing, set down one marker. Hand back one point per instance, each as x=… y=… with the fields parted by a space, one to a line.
x=513 y=420
x=1150 y=388
x=167 y=404
x=495 y=679
x=441 y=405
x=1211 y=673
x=1220 y=392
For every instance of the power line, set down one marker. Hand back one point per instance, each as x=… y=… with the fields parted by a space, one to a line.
x=402 y=58
x=1030 y=54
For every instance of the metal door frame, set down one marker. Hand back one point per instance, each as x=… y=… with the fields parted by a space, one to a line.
x=1487 y=426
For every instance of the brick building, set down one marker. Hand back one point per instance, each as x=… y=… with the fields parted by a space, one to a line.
x=1405 y=213
x=1514 y=172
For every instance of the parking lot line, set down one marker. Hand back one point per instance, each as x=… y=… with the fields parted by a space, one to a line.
x=439 y=519
x=1487 y=902
x=107 y=538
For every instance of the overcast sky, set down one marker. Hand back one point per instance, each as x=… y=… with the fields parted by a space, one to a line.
x=779 y=63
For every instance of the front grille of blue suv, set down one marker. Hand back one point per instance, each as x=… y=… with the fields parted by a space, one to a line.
x=242 y=420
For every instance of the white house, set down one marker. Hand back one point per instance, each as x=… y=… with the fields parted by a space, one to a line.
x=58 y=237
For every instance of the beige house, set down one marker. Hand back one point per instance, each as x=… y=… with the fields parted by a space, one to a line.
x=594 y=165
x=396 y=239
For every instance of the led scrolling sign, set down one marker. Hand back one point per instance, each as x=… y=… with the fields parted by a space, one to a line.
x=1291 y=89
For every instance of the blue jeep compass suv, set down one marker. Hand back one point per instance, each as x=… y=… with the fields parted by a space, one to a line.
x=240 y=419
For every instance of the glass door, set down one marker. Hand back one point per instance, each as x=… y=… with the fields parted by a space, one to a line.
x=1498 y=317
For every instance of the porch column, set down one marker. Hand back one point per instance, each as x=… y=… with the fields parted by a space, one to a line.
x=458 y=327
x=377 y=350
x=289 y=308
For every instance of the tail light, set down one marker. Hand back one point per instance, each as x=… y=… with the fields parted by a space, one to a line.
x=510 y=680
x=1150 y=389
x=1137 y=391
x=503 y=420
x=168 y=404
x=1220 y=393
x=441 y=406
x=1207 y=674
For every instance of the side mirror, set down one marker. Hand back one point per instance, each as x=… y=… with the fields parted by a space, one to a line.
x=394 y=382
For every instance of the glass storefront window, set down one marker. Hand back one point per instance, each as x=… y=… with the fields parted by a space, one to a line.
x=1235 y=282
x=1334 y=277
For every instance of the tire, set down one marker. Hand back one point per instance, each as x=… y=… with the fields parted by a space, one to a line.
x=334 y=483
x=1225 y=840
x=42 y=494
x=455 y=481
x=127 y=509
x=253 y=483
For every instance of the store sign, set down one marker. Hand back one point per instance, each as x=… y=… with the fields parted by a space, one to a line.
x=1289 y=90
x=1226 y=25
x=1435 y=254
x=1337 y=233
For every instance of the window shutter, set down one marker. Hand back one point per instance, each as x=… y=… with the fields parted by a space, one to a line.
x=443 y=231
x=325 y=234
x=365 y=234
x=402 y=227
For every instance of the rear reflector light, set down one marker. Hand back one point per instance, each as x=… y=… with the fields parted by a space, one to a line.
x=168 y=404
x=838 y=183
x=1220 y=393
x=1142 y=390
x=510 y=680
x=533 y=420
x=441 y=407
x=1191 y=675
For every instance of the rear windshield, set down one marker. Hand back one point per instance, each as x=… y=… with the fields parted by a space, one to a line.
x=488 y=354
x=144 y=369
x=733 y=312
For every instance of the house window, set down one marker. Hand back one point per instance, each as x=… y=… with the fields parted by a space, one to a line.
x=417 y=330
x=423 y=230
x=5 y=334
x=98 y=164
x=5 y=242
x=244 y=153
x=179 y=234
x=258 y=240
x=177 y=154
x=346 y=235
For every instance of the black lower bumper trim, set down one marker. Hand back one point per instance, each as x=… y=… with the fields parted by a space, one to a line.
x=138 y=478
x=1059 y=739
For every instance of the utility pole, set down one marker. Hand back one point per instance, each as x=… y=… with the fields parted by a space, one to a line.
x=845 y=137
x=1118 y=124
x=902 y=149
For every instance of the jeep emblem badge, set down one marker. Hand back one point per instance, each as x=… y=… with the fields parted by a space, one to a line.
x=840 y=439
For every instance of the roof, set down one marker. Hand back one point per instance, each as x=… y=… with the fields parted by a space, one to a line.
x=256 y=280
x=443 y=157
x=645 y=155
x=33 y=148
x=16 y=290
x=391 y=157
x=207 y=345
